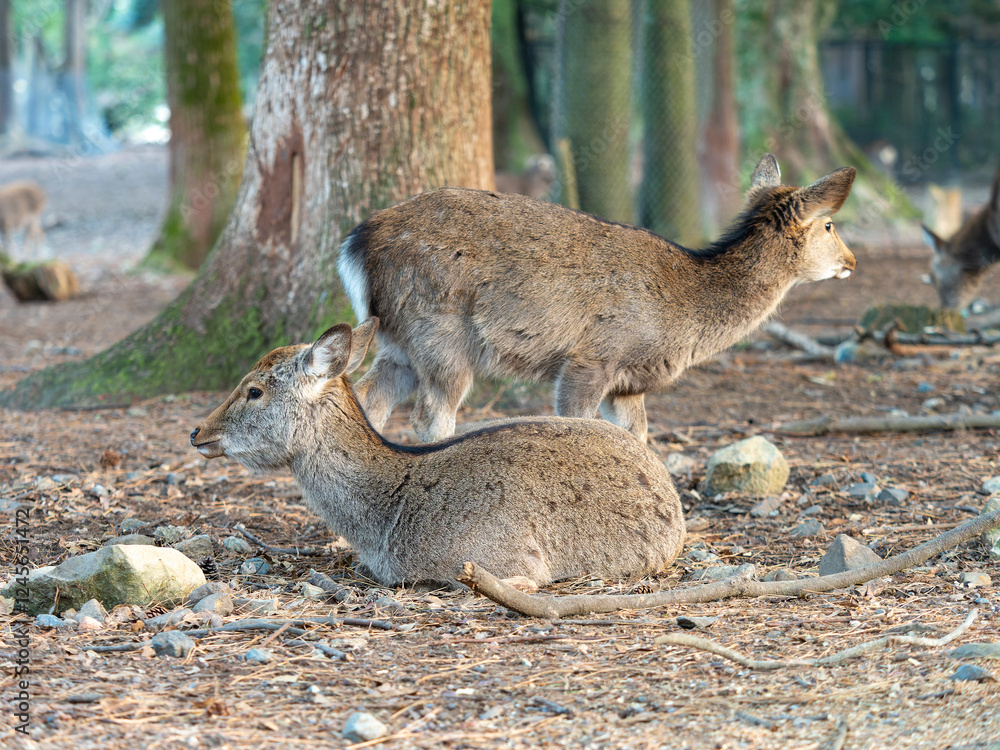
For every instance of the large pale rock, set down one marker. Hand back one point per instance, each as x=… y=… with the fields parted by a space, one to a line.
x=753 y=467
x=120 y=574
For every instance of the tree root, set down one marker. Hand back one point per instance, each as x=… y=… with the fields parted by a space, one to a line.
x=827 y=425
x=556 y=607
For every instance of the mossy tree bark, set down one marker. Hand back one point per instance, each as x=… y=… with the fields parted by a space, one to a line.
x=593 y=108
x=345 y=123
x=797 y=125
x=6 y=66
x=206 y=130
x=670 y=197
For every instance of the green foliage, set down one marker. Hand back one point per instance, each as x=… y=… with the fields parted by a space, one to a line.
x=914 y=20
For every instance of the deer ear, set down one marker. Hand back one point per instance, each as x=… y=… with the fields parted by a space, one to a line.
x=361 y=338
x=329 y=356
x=766 y=174
x=932 y=241
x=825 y=196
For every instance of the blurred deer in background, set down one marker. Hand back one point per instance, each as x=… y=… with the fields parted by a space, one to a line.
x=536 y=182
x=21 y=206
x=959 y=264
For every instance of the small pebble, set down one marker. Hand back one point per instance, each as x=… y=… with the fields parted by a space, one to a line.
x=991 y=485
x=89 y=623
x=172 y=643
x=45 y=484
x=170 y=534
x=893 y=495
x=971 y=673
x=99 y=490
x=975 y=579
x=261 y=655
x=93 y=609
x=131 y=524
x=976 y=651
x=207 y=589
x=64 y=478
x=49 y=621
x=781 y=574
x=389 y=605
x=925 y=387
x=256 y=606
x=130 y=539
x=312 y=592
x=220 y=604
x=722 y=572
x=363 y=727
x=766 y=507
x=167 y=618
x=173 y=478
x=809 y=527
x=255 y=566
x=933 y=404
x=237 y=544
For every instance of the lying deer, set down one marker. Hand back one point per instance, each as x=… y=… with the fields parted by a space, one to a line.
x=474 y=283
x=544 y=498
x=959 y=265
x=21 y=205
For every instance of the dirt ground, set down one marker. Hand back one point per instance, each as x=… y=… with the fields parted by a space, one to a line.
x=454 y=669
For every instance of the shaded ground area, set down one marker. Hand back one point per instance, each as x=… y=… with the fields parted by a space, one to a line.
x=456 y=670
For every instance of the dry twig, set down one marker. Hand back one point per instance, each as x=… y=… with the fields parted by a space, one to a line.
x=797 y=340
x=297 y=551
x=555 y=607
x=703 y=644
x=931 y=423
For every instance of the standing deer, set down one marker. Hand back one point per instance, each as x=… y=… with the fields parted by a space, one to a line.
x=959 y=265
x=21 y=205
x=544 y=498
x=471 y=283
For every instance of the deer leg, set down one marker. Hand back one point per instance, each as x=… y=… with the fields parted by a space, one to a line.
x=389 y=380
x=626 y=411
x=579 y=390
x=438 y=400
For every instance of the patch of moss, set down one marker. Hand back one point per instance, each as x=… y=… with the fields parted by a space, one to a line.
x=912 y=318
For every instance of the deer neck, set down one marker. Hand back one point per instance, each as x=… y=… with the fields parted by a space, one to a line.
x=348 y=472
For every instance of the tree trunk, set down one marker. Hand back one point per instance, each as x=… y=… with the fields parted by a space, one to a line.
x=593 y=108
x=797 y=124
x=719 y=147
x=515 y=135
x=670 y=195
x=345 y=123
x=75 y=66
x=6 y=68
x=206 y=129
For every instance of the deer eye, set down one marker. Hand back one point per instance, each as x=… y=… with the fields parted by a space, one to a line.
x=254 y=393
x=829 y=225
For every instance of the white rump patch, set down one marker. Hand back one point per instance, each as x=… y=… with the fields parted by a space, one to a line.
x=352 y=275
x=843 y=273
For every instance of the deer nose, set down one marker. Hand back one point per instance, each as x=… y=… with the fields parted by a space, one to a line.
x=195 y=434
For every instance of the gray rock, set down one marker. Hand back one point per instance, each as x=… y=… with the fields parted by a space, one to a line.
x=781 y=574
x=92 y=608
x=680 y=465
x=255 y=566
x=261 y=655
x=221 y=604
x=893 y=496
x=809 y=527
x=49 y=621
x=237 y=545
x=45 y=484
x=824 y=480
x=864 y=490
x=846 y=554
x=363 y=727
x=173 y=478
x=991 y=537
x=89 y=623
x=121 y=574
x=170 y=534
x=130 y=539
x=389 y=605
x=131 y=524
x=976 y=651
x=212 y=587
x=64 y=478
x=975 y=579
x=701 y=555
x=256 y=606
x=197 y=547
x=722 y=572
x=972 y=673
x=766 y=507
x=753 y=466
x=309 y=591
x=933 y=404
x=172 y=643
x=812 y=510
x=991 y=486
x=868 y=478
x=167 y=618
x=99 y=490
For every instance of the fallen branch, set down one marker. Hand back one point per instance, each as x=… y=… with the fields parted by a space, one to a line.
x=931 y=423
x=703 y=644
x=335 y=590
x=797 y=340
x=556 y=607
x=297 y=551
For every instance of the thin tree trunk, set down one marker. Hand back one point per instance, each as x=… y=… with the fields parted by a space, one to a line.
x=515 y=135
x=75 y=65
x=344 y=124
x=594 y=107
x=6 y=69
x=206 y=129
x=719 y=147
x=670 y=195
